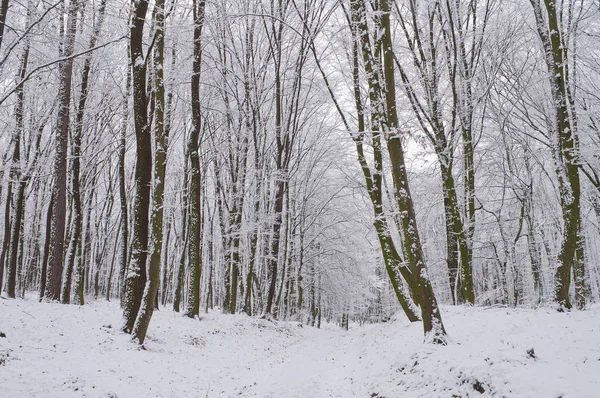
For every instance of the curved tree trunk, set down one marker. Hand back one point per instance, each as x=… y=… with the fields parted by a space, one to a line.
x=395 y=266
x=432 y=318
x=565 y=147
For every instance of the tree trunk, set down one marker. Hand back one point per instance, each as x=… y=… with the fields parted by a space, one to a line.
x=84 y=248
x=166 y=268
x=57 y=235
x=565 y=149
x=160 y=160
x=581 y=290
x=135 y=279
x=15 y=239
x=12 y=240
x=456 y=241
x=46 y=248
x=432 y=319
x=274 y=255
x=282 y=158
x=194 y=225
x=112 y=264
x=3 y=12
x=177 y=294
x=6 y=240
x=394 y=264
x=123 y=189
x=75 y=163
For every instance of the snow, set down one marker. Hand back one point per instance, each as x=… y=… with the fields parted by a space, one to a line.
x=54 y=350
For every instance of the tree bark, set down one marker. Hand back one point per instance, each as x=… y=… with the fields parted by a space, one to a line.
x=396 y=267
x=160 y=159
x=432 y=318
x=3 y=12
x=135 y=279
x=123 y=189
x=76 y=163
x=44 y=266
x=12 y=240
x=195 y=216
x=565 y=147
x=57 y=235
x=178 y=293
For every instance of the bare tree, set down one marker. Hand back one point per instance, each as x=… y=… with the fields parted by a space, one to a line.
x=135 y=279
x=195 y=216
x=565 y=150
x=59 y=202
x=160 y=160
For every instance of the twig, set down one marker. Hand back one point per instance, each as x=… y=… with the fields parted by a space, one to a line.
x=56 y=61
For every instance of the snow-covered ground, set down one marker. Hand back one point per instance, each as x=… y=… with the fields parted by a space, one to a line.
x=54 y=350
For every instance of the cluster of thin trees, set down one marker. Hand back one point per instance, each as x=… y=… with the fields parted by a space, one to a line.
x=300 y=159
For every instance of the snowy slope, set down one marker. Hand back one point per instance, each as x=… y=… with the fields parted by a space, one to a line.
x=54 y=350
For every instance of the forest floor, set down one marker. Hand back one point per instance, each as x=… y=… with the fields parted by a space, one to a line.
x=54 y=350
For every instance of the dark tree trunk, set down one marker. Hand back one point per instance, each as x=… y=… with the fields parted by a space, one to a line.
x=46 y=248
x=282 y=160
x=12 y=240
x=274 y=257
x=57 y=236
x=6 y=240
x=177 y=294
x=195 y=217
x=166 y=268
x=135 y=279
x=123 y=190
x=109 y=277
x=3 y=12
x=149 y=300
x=15 y=239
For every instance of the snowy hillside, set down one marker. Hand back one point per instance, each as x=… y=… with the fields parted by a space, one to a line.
x=53 y=350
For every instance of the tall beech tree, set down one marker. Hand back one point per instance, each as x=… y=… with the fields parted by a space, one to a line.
x=135 y=278
x=383 y=101
x=3 y=11
x=395 y=265
x=195 y=216
x=377 y=57
x=15 y=174
x=565 y=147
x=123 y=186
x=444 y=40
x=160 y=160
x=59 y=192
x=289 y=94
x=76 y=167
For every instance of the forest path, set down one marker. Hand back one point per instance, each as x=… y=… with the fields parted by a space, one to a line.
x=326 y=364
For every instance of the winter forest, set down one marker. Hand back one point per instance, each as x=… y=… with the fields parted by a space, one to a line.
x=280 y=198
